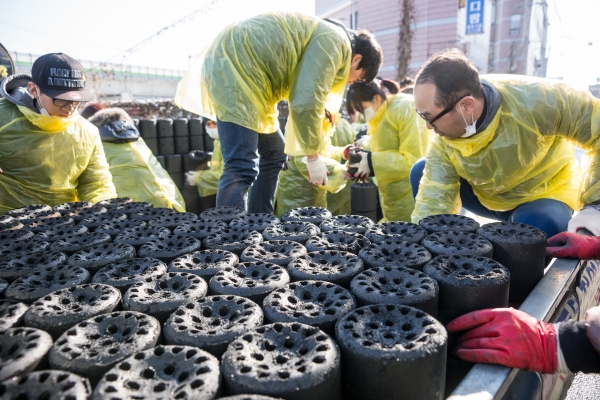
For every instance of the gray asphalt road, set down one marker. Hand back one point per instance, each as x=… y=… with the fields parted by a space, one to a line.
x=585 y=387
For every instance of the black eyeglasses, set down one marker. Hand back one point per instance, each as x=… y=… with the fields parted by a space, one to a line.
x=62 y=103
x=441 y=114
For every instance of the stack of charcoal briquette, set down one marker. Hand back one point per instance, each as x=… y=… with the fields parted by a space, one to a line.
x=121 y=300
x=180 y=145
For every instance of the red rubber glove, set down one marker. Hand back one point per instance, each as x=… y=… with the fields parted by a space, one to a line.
x=572 y=245
x=507 y=337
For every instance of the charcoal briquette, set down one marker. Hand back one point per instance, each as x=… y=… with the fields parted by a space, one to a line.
x=449 y=222
x=138 y=236
x=289 y=360
x=25 y=263
x=58 y=311
x=314 y=215
x=395 y=253
x=204 y=263
x=200 y=228
x=316 y=303
x=397 y=230
x=122 y=274
x=66 y=209
x=94 y=346
x=34 y=212
x=172 y=221
x=11 y=249
x=333 y=266
x=95 y=257
x=347 y=223
x=254 y=222
x=22 y=350
x=234 y=240
x=131 y=208
x=350 y=242
x=292 y=230
x=392 y=352
x=62 y=232
x=468 y=283
x=249 y=397
x=211 y=323
x=396 y=285
x=110 y=203
x=147 y=214
x=9 y=237
x=169 y=248
x=48 y=223
x=522 y=249
x=225 y=214
x=114 y=228
x=253 y=280
x=46 y=384
x=280 y=252
x=71 y=244
x=177 y=372
x=11 y=314
x=94 y=221
x=9 y=224
x=43 y=281
x=82 y=213
x=457 y=243
x=159 y=296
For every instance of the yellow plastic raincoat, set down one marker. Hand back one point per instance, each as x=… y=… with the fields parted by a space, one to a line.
x=294 y=190
x=398 y=137
x=209 y=179
x=138 y=174
x=49 y=160
x=525 y=154
x=255 y=63
x=344 y=134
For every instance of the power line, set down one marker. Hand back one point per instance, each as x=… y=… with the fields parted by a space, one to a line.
x=130 y=51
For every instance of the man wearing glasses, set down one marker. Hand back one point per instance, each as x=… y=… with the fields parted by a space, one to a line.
x=505 y=147
x=49 y=153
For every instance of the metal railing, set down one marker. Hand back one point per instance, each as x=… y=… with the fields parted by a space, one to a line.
x=26 y=60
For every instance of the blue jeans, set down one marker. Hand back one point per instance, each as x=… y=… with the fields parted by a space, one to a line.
x=551 y=216
x=243 y=168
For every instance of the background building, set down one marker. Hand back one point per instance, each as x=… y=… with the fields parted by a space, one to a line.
x=507 y=36
x=518 y=37
x=595 y=90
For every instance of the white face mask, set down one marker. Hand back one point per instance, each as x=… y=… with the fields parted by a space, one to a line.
x=213 y=132
x=470 y=130
x=39 y=101
x=369 y=113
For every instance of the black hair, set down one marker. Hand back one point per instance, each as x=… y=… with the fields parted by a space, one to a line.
x=367 y=46
x=406 y=81
x=453 y=75
x=360 y=92
x=329 y=117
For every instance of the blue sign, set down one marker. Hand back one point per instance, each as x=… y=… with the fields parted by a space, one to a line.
x=474 y=16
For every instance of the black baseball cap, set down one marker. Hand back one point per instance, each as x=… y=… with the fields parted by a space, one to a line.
x=61 y=77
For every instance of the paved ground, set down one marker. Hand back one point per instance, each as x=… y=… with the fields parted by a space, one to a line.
x=585 y=387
